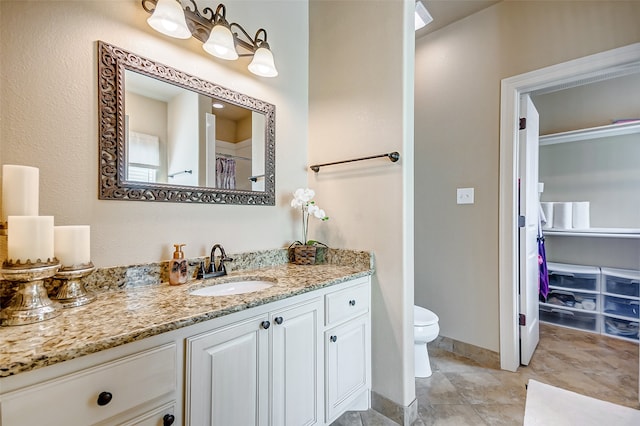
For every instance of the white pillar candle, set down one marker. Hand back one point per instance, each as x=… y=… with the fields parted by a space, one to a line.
x=72 y=244
x=30 y=238
x=19 y=191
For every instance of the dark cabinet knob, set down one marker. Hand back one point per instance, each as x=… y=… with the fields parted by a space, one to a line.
x=104 y=398
x=352 y=302
x=265 y=324
x=333 y=338
x=279 y=320
x=168 y=420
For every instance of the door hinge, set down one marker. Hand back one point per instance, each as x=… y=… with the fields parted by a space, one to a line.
x=523 y=123
x=521 y=221
x=522 y=319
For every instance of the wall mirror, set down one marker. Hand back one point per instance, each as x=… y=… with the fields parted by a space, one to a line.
x=169 y=136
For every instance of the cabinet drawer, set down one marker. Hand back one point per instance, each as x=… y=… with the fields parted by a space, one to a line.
x=73 y=399
x=347 y=303
x=618 y=327
x=160 y=416
x=621 y=306
x=576 y=277
x=568 y=318
x=574 y=299
x=624 y=282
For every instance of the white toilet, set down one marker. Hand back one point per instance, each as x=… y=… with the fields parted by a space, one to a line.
x=425 y=329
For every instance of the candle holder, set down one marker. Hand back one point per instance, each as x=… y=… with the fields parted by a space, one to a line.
x=72 y=293
x=30 y=303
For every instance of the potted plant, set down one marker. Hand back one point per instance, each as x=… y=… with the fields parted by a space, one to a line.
x=307 y=252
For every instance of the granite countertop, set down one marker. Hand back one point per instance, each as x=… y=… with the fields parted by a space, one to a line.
x=128 y=315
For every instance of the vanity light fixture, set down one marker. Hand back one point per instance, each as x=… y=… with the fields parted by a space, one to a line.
x=213 y=30
x=422 y=15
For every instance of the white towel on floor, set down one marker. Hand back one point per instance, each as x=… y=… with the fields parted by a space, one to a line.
x=547 y=405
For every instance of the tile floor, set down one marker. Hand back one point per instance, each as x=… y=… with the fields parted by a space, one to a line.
x=461 y=392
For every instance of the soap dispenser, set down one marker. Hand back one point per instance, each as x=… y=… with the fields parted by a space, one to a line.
x=178 y=266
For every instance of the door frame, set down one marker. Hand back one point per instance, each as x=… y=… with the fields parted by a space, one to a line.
x=598 y=67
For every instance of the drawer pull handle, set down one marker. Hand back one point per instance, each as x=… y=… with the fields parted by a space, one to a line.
x=352 y=302
x=279 y=320
x=333 y=338
x=104 y=398
x=168 y=420
x=265 y=324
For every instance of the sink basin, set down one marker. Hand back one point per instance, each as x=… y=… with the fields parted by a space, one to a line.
x=228 y=289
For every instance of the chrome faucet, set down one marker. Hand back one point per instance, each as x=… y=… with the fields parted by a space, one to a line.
x=213 y=270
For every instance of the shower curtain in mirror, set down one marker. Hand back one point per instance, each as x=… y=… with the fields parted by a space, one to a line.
x=225 y=173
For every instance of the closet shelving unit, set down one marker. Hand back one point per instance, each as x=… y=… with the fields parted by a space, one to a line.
x=616 y=292
x=625 y=128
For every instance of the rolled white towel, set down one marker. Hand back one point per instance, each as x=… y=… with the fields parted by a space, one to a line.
x=563 y=215
x=547 y=210
x=580 y=215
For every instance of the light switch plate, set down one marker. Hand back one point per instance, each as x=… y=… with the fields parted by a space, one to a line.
x=465 y=195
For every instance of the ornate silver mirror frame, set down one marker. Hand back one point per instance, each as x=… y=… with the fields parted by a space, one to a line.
x=112 y=64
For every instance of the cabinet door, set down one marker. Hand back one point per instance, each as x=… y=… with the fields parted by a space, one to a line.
x=347 y=363
x=296 y=368
x=227 y=376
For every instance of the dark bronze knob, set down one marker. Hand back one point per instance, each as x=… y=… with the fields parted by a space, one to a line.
x=352 y=302
x=279 y=320
x=333 y=338
x=265 y=324
x=104 y=398
x=168 y=420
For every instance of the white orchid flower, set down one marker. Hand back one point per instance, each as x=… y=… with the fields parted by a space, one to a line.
x=304 y=194
x=302 y=199
x=319 y=213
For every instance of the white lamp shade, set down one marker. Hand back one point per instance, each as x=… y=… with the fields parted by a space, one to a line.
x=221 y=44
x=168 y=18
x=262 y=63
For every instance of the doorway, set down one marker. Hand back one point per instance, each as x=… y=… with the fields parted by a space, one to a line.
x=598 y=67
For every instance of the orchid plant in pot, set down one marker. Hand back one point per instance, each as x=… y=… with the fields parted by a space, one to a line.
x=306 y=251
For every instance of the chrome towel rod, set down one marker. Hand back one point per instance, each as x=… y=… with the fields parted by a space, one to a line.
x=393 y=156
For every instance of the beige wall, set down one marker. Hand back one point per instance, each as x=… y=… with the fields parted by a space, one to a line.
x=49 y=120
x=361 y=104
x=458 y=74
x=591 y=105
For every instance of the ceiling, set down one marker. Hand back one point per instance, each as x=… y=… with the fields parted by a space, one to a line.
x=445 y=12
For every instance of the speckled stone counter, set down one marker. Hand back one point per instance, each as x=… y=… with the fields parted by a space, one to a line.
x=127 y=313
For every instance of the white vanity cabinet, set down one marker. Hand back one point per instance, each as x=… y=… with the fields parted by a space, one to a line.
x=227 y=375
x=258 y=371
x=301 y=360
x=140 y=389
x=347 y=350
x=296 y=365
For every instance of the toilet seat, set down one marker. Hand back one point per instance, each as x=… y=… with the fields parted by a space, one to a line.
x=423 y=317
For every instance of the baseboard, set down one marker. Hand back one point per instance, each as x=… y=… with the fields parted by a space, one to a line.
x=483 y=356
x=404 y=416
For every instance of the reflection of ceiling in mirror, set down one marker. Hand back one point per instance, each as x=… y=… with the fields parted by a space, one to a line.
x=156 y=89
